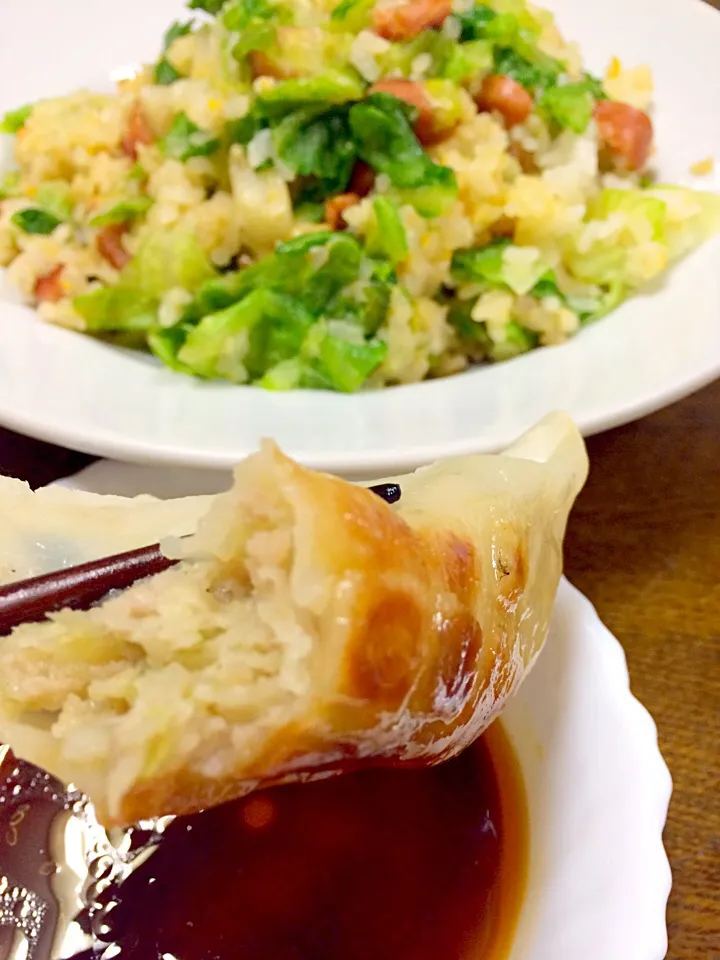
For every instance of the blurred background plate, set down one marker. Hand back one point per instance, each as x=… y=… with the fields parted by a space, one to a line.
x=84 y=394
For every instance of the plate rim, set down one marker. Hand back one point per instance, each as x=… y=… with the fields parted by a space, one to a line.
x=652 y=885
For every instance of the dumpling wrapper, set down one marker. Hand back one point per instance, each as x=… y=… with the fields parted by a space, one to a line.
x=310 y=627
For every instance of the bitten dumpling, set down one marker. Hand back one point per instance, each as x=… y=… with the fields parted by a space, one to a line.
x=308 y=627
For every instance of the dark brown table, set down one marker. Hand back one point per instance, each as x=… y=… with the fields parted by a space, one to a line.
x=644 y=546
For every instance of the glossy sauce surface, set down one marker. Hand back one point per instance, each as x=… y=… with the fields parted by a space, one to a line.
x=390 y=864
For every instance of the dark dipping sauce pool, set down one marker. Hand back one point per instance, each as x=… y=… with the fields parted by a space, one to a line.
x=388 y=864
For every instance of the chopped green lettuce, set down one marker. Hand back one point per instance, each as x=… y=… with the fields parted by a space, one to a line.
x=213 y=7
x=165 y=73
x=10 y=184
x=317 y=144
x=55 y=197
x=569 y=106
x=15 y=120
x=122 y=212
x=327 y=89
x=167 y=259
x=33 y=220
x=186 y=140
x=469 y=60
x=116 y=308
x=386 y=141
x=481 y=264
x=475 y=21
x=175 y=31
x=386 y=236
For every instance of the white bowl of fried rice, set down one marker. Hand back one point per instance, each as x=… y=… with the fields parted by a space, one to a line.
x=381 y=232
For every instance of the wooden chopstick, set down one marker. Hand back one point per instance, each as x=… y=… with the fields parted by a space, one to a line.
x=79 y=587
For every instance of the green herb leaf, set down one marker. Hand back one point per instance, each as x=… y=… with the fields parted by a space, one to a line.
x=15 y=120
x=187 y=140
x=122 y=212
x=35 y=221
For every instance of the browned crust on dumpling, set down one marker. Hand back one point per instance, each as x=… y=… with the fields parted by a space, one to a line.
x=414 y=648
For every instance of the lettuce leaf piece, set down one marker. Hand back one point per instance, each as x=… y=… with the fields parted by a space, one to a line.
x=35 y=221
x=691 y=217
x=309 y=211
x=167 y=259
x=341 y=267
x=279 y=335
x=213 y=7
x=329 y=88
x=246 y=339
x=491 y=265
x=469 y=60
x=186 y=140
x=569 y=106
x=285 y=375
x=547 y=287
x=533 y=75
x=255 y=22
x=633 y=202
x=475 y=21
x=347 y=363
x=517 y=340
x=317 y=144
x=305 y=242
x=385 y=140
x=15 y=120
x=399 y=59
x=175 y=31
x=55 y=197
x=10 y=184
x=166 y=342
x=244 y=129
x=367 y=301
x=386 y=236
x=116 y=308
x=351 y=15
x=481 y=264
x=165 y=73
x=122 y=212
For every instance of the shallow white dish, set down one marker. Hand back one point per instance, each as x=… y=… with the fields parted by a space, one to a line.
x=597 y=786
x=69 y=389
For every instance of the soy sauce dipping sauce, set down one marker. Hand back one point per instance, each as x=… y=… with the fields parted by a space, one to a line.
x=383 y=864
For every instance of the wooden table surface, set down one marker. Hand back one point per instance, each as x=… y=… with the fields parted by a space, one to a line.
x=644 y=546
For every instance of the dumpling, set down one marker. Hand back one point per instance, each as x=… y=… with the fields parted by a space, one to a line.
x=308 y=628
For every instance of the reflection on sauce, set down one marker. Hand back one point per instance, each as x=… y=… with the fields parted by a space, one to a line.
x=387 y=864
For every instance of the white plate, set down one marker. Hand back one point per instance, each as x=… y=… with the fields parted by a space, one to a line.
x=597 y=786
x=63 y=387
